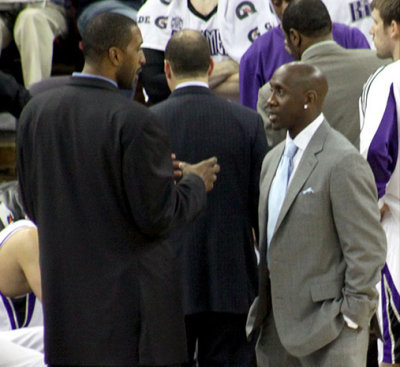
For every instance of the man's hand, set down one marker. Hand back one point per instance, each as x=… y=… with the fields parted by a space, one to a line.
x=175 y=165
x=206 y=169
x=384 y=209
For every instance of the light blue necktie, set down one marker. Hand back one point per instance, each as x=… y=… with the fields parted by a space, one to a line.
x=279 y=187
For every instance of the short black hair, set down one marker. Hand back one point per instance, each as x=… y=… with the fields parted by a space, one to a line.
x=309 y=17
x=188 y=53
x=388 y=10
x=104 y=31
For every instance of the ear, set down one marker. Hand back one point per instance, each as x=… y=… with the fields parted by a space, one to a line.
x=294 y=37
x=395 y=29
x=311 y=97
x=211 y=67
x=167 y=69
x=115 y=55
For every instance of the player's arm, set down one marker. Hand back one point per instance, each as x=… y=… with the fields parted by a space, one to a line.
x=224 y=80
x=19 y=264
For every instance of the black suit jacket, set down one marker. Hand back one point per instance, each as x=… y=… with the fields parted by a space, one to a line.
x=217 y=250
x=96 y=176
x=13 y=96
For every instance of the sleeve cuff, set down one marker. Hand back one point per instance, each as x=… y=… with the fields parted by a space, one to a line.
x=350 y=323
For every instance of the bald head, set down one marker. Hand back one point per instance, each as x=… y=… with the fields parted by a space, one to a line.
x=298 y=93
x=306 y=78
x=188 y=54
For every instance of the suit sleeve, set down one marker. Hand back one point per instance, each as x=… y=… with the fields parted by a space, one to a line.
x=259 y=150
x=157 y=203
x=357 y=220
x=13 y=96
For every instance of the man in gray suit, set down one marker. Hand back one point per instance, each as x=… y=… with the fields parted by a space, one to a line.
x=321 y=245
x=308 y=36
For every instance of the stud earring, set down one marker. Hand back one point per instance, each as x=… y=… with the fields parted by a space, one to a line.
x=305 y=106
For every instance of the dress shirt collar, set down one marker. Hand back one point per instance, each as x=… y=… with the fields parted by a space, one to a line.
x=317 y=45
x=93 y=76
x=191 y=83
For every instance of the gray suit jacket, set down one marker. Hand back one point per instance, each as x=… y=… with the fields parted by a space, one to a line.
x=328 y=247
x=346 y=70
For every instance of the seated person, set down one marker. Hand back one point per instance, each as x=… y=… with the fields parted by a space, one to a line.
x=21 y=342
x=19 y=266
x=19 y=261
x=268 y=52
x=34 y=27
x=229 y=26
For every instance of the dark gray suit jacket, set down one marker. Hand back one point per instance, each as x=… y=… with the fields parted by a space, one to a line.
x=327 y=249
x=96 y=177
x=217 y=249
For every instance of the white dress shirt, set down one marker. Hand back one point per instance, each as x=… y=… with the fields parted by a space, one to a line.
x=302 y=140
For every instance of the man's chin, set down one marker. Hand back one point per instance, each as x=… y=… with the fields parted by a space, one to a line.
x=276 y=127
x=275 y=124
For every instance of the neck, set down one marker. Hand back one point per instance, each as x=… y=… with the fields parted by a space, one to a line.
x=308 y=41
x=98 y=70
x=176 y=81
x=204 y=7
x=308 y=119
x=396 y=52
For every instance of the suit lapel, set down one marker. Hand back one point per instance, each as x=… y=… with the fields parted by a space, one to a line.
x=304 y=170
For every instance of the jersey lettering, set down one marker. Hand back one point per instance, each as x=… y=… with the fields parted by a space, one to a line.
x=359 y=10
x=214 y=42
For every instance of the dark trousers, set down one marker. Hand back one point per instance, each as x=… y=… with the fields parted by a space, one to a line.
x=220 y=339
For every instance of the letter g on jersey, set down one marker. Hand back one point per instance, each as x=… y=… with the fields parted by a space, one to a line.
x=253 y=34
x=161 y=22
x=244 y=9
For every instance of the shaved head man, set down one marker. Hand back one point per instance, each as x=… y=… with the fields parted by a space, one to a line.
x=321 y=243
x=298 y=94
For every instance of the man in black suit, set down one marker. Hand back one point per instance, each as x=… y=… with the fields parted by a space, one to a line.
x=216 y=251
x=96 y=177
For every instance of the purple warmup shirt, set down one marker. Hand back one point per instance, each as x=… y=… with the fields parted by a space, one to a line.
x=268 y=52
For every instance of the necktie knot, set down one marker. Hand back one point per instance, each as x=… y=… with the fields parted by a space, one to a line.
x=290 y=149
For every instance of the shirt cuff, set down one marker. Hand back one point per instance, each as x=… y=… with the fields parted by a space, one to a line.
x=350 y=323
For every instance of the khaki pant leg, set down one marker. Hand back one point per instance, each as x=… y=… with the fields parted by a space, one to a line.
x=34 y=32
